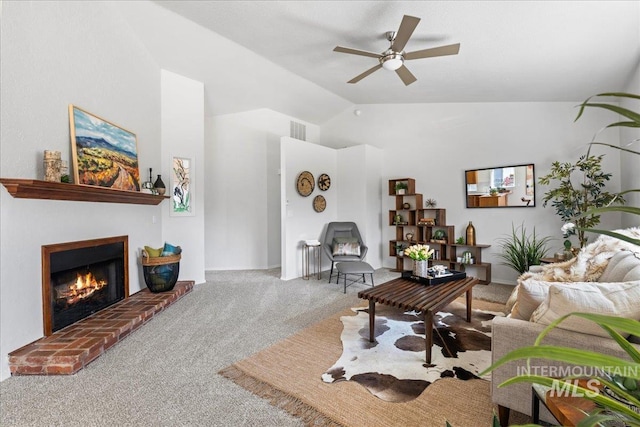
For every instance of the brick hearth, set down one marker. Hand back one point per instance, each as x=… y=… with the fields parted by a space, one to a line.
x=70 y=349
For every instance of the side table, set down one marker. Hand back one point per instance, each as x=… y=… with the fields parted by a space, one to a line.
x=311 y=248
x=567 y=410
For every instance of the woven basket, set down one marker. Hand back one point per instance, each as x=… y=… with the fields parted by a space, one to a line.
x=160 y=260
x=160 y=273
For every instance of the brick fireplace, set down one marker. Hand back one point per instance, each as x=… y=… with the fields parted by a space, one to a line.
x=86 y=306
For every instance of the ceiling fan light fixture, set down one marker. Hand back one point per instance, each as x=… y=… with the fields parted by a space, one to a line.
x=392 y=61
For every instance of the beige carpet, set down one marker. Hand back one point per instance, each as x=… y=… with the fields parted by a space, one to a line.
x=288 y=374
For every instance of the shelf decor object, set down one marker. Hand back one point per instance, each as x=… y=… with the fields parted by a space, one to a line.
x=471 y=234
x=52 y=164
x=305 y=183
x=159 y=186
x=104 y=154
x=147 y=186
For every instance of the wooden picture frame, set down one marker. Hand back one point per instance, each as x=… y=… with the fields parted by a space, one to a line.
x=182 y=187
x=104 y=154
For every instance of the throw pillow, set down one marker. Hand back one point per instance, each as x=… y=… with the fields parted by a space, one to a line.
x=153 y=253
x=345 y=246
x=531 y=294
x=619 y=266
x=612 y=299
x=171 y=250
x=512 y=298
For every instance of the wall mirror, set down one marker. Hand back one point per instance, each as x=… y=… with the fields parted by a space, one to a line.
x=501 y=187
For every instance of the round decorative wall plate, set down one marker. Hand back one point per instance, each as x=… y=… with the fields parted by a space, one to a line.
x=319 y=203
x=305 y=183
x=324 y=182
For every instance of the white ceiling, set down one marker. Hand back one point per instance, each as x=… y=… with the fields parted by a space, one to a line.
x=510 y=50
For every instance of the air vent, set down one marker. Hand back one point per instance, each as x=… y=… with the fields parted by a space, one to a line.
x=298 y=131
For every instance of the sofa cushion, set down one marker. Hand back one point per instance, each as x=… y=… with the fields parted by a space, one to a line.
x=343 y=246
x=531 y=293
x=614 y=299
x=624 y=266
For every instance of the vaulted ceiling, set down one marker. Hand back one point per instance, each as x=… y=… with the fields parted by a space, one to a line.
x=511 y=51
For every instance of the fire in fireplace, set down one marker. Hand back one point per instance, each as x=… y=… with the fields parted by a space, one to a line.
x=82 y=278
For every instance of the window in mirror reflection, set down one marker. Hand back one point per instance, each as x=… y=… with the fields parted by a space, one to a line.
x=504 y=186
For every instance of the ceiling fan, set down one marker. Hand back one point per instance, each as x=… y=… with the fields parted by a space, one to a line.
x=393 y=58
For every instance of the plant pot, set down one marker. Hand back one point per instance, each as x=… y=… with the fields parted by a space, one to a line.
x=420 y=268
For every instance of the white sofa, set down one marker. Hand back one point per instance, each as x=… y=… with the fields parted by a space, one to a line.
x=613 y=288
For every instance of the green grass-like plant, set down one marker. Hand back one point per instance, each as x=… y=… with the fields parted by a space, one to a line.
x=520 y=250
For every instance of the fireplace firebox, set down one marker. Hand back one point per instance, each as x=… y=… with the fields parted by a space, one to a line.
x=82 y=278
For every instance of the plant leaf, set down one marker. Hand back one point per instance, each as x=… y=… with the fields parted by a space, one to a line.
x=570 y=387
x=568 y=355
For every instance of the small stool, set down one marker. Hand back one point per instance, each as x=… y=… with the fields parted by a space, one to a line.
x=308 y=246
x=354 y=267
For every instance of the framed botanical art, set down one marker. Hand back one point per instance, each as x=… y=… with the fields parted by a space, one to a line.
x=104 y=154
x=182 y=187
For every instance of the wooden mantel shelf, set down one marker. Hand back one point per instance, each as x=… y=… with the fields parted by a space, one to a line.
x=35 y=189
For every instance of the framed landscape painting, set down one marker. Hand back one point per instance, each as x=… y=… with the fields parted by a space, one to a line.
x=104 y=154
x=182 y=187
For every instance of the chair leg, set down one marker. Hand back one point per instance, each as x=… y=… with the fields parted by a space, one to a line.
x=331 y=273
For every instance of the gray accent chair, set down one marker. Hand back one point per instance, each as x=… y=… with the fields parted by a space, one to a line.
x=342 y=229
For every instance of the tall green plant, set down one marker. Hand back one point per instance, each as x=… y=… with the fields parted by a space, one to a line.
x=631 y=120
x=520 y=251
x=575 y=196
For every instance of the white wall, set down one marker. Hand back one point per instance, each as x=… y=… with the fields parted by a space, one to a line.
x=436 y=143
x=299 y=221
x=242 y=188
x=183 y=136
x=359 y=196
x=54 y=54
x=630 y=162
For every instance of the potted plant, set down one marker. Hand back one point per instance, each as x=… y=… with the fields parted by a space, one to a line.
x=521 y=250
x=401 y=188
x=571 y=201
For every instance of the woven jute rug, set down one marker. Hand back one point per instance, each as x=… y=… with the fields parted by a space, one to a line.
x=289 y=373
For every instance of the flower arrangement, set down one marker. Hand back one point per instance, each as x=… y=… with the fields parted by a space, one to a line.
x=419 y=252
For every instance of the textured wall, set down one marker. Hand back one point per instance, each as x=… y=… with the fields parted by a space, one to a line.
x=55 y=54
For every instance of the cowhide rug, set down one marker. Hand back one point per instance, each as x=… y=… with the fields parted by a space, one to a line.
x=394 y=368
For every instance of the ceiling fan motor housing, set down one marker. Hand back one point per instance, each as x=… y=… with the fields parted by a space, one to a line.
x=392 y=60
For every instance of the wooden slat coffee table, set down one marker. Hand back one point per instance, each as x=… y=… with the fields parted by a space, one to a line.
x=409 y=295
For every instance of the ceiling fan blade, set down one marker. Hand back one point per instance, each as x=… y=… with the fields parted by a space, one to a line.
x=356 y=52
x=451 y=49
x=405 y=75
x=359 y=77
x=408 y=24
